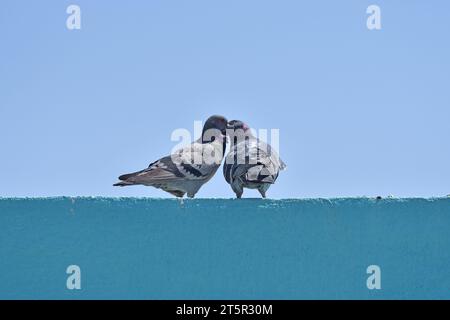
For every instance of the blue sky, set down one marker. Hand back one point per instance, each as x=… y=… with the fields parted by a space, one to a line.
x=360 y=112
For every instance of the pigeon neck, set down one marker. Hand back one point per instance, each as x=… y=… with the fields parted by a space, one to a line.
x=224 y=142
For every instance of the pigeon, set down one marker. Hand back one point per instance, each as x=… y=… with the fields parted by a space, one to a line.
x=250 y=162
x=187 y=169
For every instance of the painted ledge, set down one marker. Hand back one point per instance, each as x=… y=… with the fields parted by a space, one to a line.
x=134 y=248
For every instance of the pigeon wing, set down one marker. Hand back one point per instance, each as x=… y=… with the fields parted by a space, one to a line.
x=159 y=171
x=262 y=164
x=184 y=164
x=197 y=161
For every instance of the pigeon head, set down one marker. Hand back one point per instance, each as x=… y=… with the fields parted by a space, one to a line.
x=238 y=131
x=238 y=125
x=215 y=122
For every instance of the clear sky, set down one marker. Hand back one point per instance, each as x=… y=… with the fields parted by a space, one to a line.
x=360 y=112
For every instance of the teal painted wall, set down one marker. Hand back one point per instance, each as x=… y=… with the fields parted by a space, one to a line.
x=224 y=249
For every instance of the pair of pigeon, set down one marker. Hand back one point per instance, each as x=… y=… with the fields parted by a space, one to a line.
x=250 y=163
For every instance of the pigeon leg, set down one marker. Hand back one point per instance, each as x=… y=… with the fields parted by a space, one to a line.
x=176 y=193
x=237 y=188
x=262 y=189
x=263 y=192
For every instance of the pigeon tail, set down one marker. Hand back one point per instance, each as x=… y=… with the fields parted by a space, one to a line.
x=122 y=184
x=127 y=176
x=283 y=165
x=124 y=179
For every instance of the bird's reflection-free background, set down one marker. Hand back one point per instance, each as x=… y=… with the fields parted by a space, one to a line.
x=360 y=112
